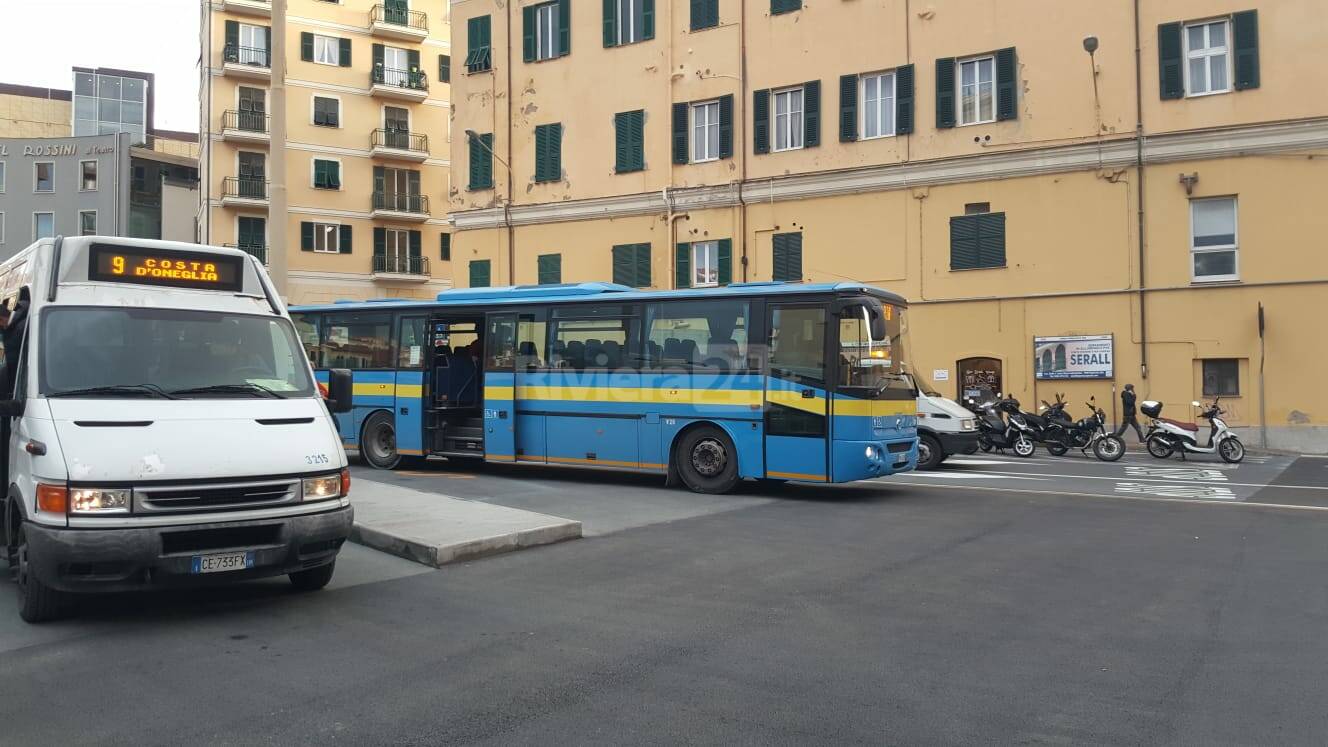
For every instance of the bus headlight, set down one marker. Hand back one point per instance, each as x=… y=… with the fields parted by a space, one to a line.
x=322 y=487
x=99 y=500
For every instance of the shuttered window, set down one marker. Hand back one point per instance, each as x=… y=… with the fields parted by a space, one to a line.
x=784 y=6
x=327 y=174
x=704 y=264
x=628 y=21
x=631 y=265
x=550 y=269
x=977 y=90
x=445 y=247
x=787 y=256
x=481 y=162
x=480 y=276
x=705 y=14
x=548 y=152
x=629 y=141
x=327 y=112
x=544 y=31
x=977 y=241
x=444 y=68
x=479 y=55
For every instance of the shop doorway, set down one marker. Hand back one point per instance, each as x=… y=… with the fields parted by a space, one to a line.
x=979 y=379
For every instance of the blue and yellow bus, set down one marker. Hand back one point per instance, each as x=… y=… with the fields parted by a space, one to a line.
x=780 y=381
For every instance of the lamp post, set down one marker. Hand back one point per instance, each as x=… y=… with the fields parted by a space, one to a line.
x=473 y=137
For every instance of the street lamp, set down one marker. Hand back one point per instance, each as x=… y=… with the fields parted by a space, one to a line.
x=473 y=137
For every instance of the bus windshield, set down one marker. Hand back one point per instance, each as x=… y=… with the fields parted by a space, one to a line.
x=115 y=351
x=870 y=366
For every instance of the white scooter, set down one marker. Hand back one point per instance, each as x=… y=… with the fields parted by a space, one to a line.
x=1165 y=436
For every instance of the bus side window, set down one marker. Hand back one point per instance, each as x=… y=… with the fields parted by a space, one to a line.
x=306 y=326
x=410 y=345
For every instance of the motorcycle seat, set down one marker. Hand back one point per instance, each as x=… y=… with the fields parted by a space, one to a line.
x=1179 y=424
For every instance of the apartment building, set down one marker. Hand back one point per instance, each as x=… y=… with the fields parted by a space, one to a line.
x=1015 y=169
x=366 y=143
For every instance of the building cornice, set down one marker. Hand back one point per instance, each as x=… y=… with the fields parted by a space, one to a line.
x=1279 y=137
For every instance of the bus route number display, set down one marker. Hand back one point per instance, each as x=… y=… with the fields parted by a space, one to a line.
x=173 y=269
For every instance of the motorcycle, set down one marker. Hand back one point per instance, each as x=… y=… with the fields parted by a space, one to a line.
x=1090 y=433
x=1046 y=426
x=1166 y=437
x=1002 y=426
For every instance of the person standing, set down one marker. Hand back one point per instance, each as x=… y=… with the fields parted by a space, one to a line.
x=1128 y=418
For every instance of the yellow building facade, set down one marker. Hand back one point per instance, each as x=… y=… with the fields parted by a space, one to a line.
x=366 y=143
x=1018 y=171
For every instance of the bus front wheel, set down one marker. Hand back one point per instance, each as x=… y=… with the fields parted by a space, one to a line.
x=706 y=461
x=378 y=442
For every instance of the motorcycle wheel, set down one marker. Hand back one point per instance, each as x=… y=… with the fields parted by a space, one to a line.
x=1109 y=448
x=1159 y=448
x=1231 y=450
x=1024 y=446
x=985 y=445
x=1056 y=449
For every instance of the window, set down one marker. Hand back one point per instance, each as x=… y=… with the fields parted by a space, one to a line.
x=797 y=343
x=327 y=174
x=445 y=247
x=87 y=223
x=544 y=27
x=607 y=341
x=2 y=228
x=306 y=328
x=480 y=275
x=397 y=70
x=478 y=54
x=705 y=131
x=631 y=265
x=481 y=161
x=705 y=14
x=2 y=176
x=977 y=90
x=1207 y=61
x=705 y=264
x=977 y=208
x=253 y=45
x=327 y=112
x=1221 y=377
x=787 y=255
x=327 y=50
x=698 y=334
x=788 y=119
x=632 y=21
x=878 y=105
x=548 y=152
x=327 y=238
x=43 y=177
x=357 y=341
x=410 y=347
x=629 y=141
x=977 y=241
x=784 y=6
x=397 y=250
x=108 y=104
x=43 y=225
x=398 y=189
x=1213 y=239
x=550 y=269
x=444 y=68
x=88 y=171
x=251 y=235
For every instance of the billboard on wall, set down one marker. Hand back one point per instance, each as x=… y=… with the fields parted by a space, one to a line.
x=1076 y=357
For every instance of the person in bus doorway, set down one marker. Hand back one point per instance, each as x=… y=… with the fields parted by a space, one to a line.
x=14 y=321
x=1128 y=418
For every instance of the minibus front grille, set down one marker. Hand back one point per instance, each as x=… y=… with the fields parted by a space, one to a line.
x=215 y=496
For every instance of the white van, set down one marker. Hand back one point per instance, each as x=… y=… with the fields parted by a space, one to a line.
x=165 y=426
x=944 y=428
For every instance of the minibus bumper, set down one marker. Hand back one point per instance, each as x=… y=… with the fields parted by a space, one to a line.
x=958 y=443
x=128 y=559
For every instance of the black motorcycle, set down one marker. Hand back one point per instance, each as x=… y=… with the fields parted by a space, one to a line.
x=1002 y=426
x=1088 y=433
x=1045 y=428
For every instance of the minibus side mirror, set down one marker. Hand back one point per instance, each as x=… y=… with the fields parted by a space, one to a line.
x=12 y=408
x=340 y=390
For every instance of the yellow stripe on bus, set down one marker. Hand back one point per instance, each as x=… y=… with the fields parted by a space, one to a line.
x=642 y=395
x=389 y=390
x=876 y=408
x=795 y=476
x=795 y=400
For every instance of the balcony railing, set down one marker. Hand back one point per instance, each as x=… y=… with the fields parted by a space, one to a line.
x=400 y=140
x=244 y=187
x=256 y=56
x=397 y=16
x=260 y=252
x=401 y=265
x=401 y=203
x=245 y=121
x=414 y=80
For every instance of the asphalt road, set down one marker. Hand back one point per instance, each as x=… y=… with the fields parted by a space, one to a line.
x=987 y=608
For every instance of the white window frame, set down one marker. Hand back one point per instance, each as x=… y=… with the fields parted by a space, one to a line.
x=251 y=53
x=82 y=213
x=2 y=228
x=546 y=31
x=1233 y=248
x=710 y=251
x=710 y=149
x=1207 y=54
x=976 y=62
x=887 y=104
x=396 y=67
x=36 y=164
x=794 y=135
x=331 y=245
x=2 y=177
x=34 y=222
x=329 y=47
x=82 y=187
x=313 y=109
x=396 y=244
x=627 y=32
x=313 y=174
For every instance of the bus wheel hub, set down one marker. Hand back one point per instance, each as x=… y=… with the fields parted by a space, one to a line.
x=709 y=458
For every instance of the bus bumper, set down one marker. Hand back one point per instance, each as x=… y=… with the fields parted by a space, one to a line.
x=863 y=460
x=129 y=559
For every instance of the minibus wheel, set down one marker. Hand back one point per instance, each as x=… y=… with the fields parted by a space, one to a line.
x=378 y=441
x=706 y=460
x=37 y=601
x=314 y=578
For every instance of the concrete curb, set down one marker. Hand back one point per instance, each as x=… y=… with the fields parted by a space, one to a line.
x=436 y=555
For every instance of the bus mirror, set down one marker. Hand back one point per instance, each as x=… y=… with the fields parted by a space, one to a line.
x=340 y=390
x=878 y=326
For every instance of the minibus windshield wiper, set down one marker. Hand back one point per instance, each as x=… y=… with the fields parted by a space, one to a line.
x=245 y=388
x=141 y=390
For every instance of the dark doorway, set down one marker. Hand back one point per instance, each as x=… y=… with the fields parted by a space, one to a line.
x=979 y=378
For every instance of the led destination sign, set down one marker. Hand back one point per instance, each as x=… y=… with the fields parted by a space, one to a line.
x=118 y=264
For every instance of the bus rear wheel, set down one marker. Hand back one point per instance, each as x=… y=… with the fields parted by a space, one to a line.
x=706 y=461
x=378 y=442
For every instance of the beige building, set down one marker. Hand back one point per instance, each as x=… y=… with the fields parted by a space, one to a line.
x=366 y=147
x=1010 y=167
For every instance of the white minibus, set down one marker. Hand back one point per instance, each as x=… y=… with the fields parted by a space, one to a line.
x=163 y=425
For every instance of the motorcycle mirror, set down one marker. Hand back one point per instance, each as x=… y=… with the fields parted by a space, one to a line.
x=1196 y=404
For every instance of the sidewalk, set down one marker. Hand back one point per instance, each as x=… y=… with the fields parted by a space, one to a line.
x=436 y=529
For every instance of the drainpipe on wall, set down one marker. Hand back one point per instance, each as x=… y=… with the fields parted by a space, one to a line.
x=1139 y=177
x=741 y=127
x=507 y=208
x=276 y=255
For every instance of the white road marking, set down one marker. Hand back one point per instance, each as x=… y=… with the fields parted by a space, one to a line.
x=1113 y=479
x=1194 y=492
x=1199 y=474
x=975 y=476
x=1109 y=496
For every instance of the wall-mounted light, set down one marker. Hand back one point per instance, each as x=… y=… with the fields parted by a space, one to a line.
x=1189 y=180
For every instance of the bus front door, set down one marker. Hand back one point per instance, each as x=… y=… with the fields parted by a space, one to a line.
x=796 y=424
x=499 y=388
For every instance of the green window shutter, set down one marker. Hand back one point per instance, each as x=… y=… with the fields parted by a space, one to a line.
x=1245 y=30
x=548 y=152
x=788 y=257
x=528 y=33
x=306 y=46
x=306 y=236
x=445 y=247
x=1007 y=85
x=334 y=175
x=233 y=34
x=624 y=264
x=415 y=246
x=811 y=113
x=628 y=141
x=378 y=56
x=904 y=100
x=550 y=269
x=784 y=6
x=725 y=254
x=555 y=161
x=479 y=273
x=991 y=239
x=848 y=108
x=1171 y=78
x=610 y=23
x=705 y=14
x=682 y=266
x=680 y=133
x=267 y=46
x=945 y=92
x=380 y=242
x=761 y=121
x=486 y=163
x=638 y=133
x=476 y=154
x=564 y=27
x=621 y=147
x=379 y=181
x=320 y=175
x=642 y=266
x=726 y=126
x=444 y=68
x=648 y=19
x=343 y=52
x=344 y=240
x=413 y=60
x=963 y=242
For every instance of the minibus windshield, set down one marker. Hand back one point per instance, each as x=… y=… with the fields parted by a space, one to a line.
x=169 y=353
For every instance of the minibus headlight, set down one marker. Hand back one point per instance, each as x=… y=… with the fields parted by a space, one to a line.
x=968 y=424
x=98 y=500
x=322 y=488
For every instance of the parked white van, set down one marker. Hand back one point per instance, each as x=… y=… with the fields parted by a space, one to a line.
x=944 y=428
x=163 y=426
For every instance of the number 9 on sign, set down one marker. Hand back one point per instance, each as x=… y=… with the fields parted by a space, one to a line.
x=117 y=265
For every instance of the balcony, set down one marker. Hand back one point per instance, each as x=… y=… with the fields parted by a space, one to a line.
x=261 y=8
x=259 y=252
x=414 y=208
x=253 y=63
x=399 y=145
x=244 y=127
x=398 y=23
x=408 y=269
x=243 y=191
x=392 y=83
